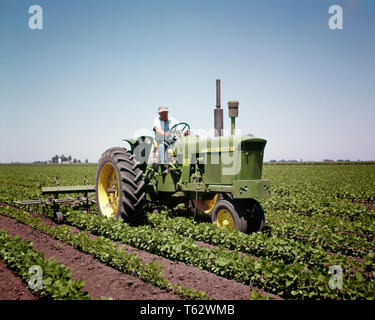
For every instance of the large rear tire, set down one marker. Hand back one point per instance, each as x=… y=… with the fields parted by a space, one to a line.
x=119 y=185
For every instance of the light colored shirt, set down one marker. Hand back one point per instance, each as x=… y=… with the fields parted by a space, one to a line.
x=165 y=126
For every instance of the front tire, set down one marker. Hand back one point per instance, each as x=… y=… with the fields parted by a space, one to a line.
x=254 y=213
x=256 y=218
x=226 y=213
x=119 y=185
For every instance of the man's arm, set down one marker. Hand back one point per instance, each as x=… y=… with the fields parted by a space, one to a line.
x=161 y=131
x=158 y=129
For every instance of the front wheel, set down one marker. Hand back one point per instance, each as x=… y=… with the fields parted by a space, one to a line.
x=227 y=214
x=254 y=213
x=245 y=215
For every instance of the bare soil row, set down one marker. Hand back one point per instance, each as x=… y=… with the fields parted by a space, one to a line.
x=101 y=280
x=12 y=287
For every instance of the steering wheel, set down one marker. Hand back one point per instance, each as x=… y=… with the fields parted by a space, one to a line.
x=177 y=132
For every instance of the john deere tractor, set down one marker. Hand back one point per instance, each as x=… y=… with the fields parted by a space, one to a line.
x=220 y=176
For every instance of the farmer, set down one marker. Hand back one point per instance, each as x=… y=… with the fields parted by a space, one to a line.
x=162 y=126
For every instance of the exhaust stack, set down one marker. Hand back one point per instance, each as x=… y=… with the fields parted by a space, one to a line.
x=218 y=114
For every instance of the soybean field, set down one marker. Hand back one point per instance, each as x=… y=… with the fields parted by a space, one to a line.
x=318 y=242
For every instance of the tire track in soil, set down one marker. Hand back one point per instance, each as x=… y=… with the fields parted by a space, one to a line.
x=100 y=280
x=189 y=276
x=12 y=287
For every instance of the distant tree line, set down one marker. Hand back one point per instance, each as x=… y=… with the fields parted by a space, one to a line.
x=64 y=159
x=324 y=162
x=301 y=160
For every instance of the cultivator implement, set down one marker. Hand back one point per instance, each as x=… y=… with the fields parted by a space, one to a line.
x=81 y=201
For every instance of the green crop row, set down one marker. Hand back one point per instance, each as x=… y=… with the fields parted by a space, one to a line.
x=34 y=175
x=23 y=181
x=260 y=244
x=107 y=252
x=330 y=238
x=352 y=182
x=294 y=280
x=310 y=206
x=363 y=227
x=13 y=193
x=56 y=281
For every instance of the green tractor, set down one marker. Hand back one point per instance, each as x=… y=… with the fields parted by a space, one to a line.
x=220 y=176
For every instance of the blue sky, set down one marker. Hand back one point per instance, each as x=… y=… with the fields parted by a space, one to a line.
x=98 y=70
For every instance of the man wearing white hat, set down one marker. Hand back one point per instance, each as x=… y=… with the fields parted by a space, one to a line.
x=162 y=125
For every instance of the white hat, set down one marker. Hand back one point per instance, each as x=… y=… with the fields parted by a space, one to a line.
x=163 y=108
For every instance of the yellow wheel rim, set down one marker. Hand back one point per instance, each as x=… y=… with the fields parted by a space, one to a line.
x=108 y=190
x=225 y=219
x=211 y=204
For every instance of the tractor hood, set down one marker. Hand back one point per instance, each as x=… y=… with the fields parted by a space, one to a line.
x=194 y=144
